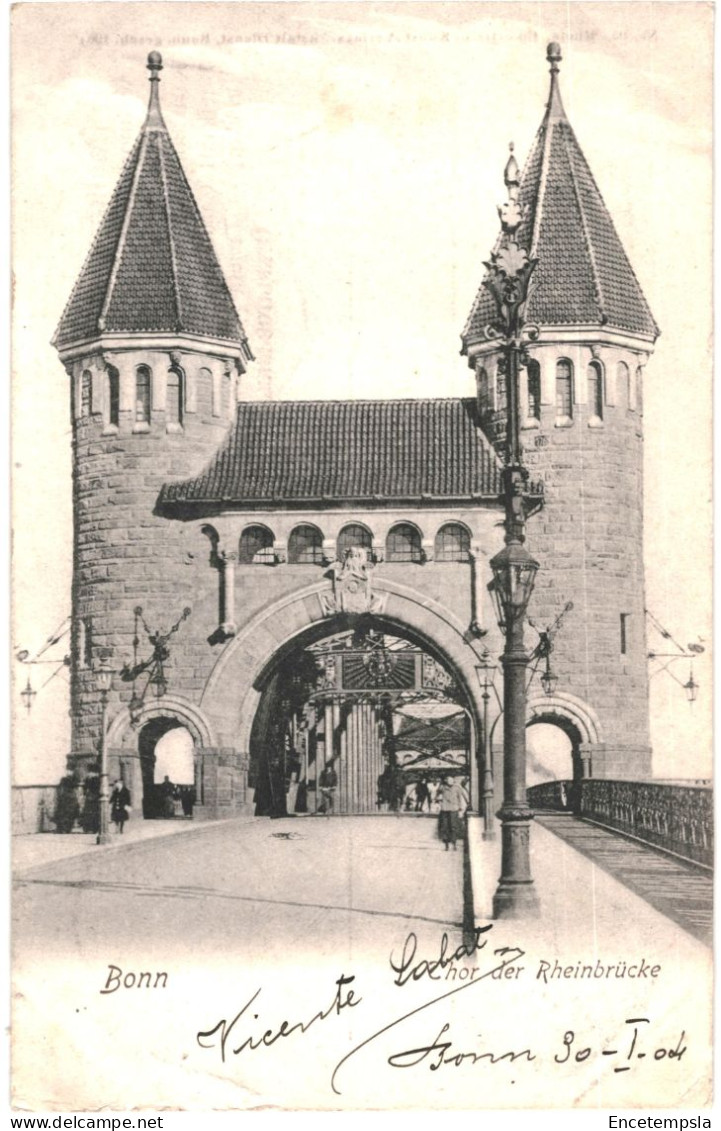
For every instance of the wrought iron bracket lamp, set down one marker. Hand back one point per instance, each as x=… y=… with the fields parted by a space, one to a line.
x=691 y=687
x=153 y=666
x=28 y=693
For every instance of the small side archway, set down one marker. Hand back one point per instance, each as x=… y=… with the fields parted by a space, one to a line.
x=152 y=739
x=569 y=713
x=575 y=722
x=134 y=749
x=185 y=713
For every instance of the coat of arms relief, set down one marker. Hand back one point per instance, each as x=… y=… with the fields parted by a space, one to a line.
x=352 y=586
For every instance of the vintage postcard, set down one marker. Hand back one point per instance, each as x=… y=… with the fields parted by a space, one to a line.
x=362 y=550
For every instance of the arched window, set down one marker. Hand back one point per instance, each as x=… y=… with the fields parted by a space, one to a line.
x=305 y=546
x=113 y=395
x=483 y=390
x=209 y=387
x=85 y=642
x=86 y=393
x=453 y=543
x=639 y=390
x=353 y=535
x=564 y=390
x=533 y=371
x=214 y=538
x=256 y=546
x=595 y=390
x=623 y=383
x=501 y=397
x=403 y=544
x=142 y=395
x=174 y=397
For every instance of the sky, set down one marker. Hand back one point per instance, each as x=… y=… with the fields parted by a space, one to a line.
x=348 y=161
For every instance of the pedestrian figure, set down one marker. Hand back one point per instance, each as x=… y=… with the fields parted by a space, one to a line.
x=433 y=790
x=328 y=782
x=187 y=800
x=453 y=802
x=422 y=795
x=67 y=809
x=90 y=817
x=167 y=796
x=385 y=787
x=119 y=805
x=397 y=788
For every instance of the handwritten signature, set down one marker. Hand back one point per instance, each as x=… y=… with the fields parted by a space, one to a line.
x=408 y=969
x=219 y=1035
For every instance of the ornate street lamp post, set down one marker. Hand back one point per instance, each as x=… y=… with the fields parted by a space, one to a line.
x=489 y=825
x=103 y=679
x=514 y=569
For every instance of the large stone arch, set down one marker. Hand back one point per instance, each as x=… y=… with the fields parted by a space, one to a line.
x=232 y=692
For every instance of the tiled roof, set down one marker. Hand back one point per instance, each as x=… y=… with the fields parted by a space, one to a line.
x=583 y=275
x=151 y=267
x=328 y=451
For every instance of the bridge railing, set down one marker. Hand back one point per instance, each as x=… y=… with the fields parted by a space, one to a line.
x=553 y=795
x=678 y=818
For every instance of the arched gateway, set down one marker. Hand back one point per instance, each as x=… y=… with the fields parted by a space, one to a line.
x=339 y=678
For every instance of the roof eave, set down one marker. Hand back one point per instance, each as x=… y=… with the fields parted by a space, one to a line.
x=156 y=340
x=203 y=507
x=478 y=346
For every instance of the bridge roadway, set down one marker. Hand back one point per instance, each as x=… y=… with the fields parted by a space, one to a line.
x=320 y=884
x=682 y=892
x=388 y=868
x=287 y=906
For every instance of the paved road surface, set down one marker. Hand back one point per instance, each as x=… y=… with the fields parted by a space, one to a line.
x=347 y=884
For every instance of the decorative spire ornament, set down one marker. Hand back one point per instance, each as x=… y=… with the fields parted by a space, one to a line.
x=154 y=119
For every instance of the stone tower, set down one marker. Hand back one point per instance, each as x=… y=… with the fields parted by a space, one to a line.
x=154 y=349
x=581 y=409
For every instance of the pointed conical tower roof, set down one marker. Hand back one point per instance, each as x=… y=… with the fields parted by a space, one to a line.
x=583 y=278
x=151 y=268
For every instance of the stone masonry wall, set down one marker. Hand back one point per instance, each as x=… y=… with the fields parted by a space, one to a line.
x=589 y=540
x=125 y=555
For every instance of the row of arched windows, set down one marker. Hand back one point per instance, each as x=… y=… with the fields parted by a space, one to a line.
x=403 y=544
x=564 y=389
x=565 y=398
x=174 y=395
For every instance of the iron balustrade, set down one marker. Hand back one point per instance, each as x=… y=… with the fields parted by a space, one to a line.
x=677 y=818
x=552 y=795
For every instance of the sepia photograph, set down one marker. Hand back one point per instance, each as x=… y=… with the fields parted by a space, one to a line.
x=362 y=596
